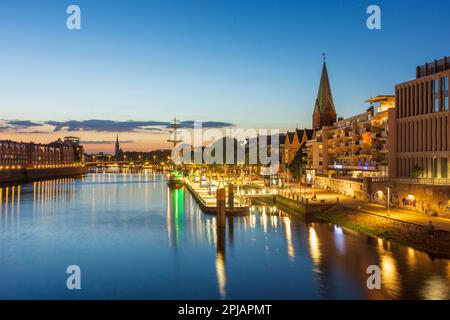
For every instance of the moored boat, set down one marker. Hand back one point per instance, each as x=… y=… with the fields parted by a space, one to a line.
x=175 y=179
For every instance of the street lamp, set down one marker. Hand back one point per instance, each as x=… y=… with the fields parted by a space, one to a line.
x=388 y=200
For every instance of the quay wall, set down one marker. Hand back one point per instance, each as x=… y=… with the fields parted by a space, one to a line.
x=427 y=199
x=24 y=175
x=302 y=207
x=356 y=189
x=7 y=176
x=293 y=205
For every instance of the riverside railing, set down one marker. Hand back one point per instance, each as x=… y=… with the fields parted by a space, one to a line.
x=426 y=181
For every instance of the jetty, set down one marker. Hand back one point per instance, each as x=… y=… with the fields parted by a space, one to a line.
x=207 y=200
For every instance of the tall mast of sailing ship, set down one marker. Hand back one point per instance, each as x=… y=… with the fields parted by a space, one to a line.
x=175 y=140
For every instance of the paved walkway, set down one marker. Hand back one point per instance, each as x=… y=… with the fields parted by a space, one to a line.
x=394 y=213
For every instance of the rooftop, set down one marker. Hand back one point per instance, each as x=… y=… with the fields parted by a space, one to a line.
x=381 y=98
x=430 y=68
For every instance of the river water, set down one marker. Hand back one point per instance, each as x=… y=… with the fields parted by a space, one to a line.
x=133 y=238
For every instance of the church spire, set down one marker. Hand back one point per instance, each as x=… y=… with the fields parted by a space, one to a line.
x=117 y=150
x=324 y=111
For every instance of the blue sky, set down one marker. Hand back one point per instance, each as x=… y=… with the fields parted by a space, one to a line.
x=251 y=63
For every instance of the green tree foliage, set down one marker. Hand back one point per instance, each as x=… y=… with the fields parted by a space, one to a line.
x=298 y=165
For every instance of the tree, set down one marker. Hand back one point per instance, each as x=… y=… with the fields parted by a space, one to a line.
x=298 y=164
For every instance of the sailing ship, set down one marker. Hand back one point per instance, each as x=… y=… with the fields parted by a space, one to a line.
x=175 y=179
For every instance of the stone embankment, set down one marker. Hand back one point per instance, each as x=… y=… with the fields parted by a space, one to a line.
x=436 y=242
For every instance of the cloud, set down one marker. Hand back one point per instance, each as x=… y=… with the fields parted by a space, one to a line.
x=207 y=124
x=23 y=123
x=103 y=125
x=21 y=126
x=32 y=132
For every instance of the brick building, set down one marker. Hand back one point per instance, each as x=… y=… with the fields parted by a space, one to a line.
x=20 y=155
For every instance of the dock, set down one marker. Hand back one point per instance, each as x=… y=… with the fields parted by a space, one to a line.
x=208 y=203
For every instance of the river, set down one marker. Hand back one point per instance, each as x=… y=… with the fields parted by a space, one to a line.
x=133 y=238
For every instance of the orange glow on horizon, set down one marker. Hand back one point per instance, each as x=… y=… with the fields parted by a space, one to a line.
x=100 y=141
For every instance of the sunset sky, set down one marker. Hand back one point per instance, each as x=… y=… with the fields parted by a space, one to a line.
x=135 y=65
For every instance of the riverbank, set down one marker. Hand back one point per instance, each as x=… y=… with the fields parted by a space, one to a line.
x=404 y=233
x=26 y=175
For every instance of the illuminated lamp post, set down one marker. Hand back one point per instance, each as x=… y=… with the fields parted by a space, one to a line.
x=388 y=200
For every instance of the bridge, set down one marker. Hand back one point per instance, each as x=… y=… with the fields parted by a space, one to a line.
x=121 y=163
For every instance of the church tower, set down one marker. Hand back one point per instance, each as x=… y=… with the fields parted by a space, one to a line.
x=324 y=112
x=117 y=151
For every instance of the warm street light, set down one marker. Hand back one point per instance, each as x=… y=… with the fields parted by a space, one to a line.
x=388 y=200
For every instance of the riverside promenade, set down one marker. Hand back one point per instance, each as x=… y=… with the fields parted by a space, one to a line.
x=376 y=209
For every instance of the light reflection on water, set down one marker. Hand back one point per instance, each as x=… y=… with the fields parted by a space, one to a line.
x=135 y=238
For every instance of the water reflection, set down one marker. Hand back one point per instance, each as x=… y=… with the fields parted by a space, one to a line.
x=164 y=246
x=389 y=275
x=220 y=262
x=288 y=235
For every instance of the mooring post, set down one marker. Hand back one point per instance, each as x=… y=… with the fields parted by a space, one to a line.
x=221 y=208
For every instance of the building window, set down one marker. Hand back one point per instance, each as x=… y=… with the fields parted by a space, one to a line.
x=444 y=82
x=444 y=168
x=435 y=95
x=434 y=166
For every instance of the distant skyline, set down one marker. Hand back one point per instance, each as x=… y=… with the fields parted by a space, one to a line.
x=248 y=63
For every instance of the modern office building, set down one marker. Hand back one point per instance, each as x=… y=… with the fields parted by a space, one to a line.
x=419 y=140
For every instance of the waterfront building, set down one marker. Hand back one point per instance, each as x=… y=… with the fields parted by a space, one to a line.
x=340 y=156
x=20 y=155
x=74 y=142
x=419 y=143
x=13 y=154
x=293 y=142
x=420 y=134
x=353 y=147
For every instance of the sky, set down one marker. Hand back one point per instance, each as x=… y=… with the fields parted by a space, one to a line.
x=134 y=65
